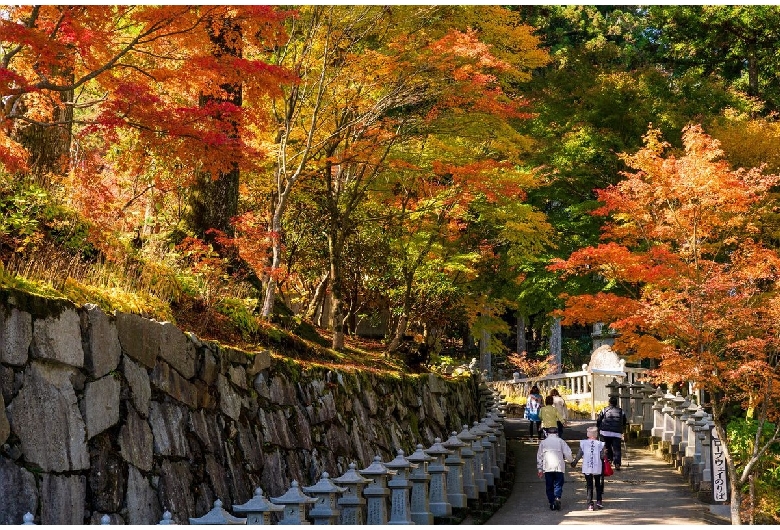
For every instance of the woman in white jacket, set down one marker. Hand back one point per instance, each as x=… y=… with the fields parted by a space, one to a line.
x=551 y=458
x=592 y=452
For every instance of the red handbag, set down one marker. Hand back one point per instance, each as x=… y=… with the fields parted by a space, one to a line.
x=607 y=470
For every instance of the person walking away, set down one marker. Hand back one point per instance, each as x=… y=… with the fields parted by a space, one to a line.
x=610 y=422
x=592 y=451
x=560 y=404
x=551 y=458
x=550 y=416
x=532 y=406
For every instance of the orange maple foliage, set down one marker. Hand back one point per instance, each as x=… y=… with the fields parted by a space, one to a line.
x=145 y=86
x=693 y=285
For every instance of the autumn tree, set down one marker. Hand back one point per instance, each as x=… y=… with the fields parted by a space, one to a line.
x=687 y=281
x=373 y=79
x=147 y=92
x=592 y=102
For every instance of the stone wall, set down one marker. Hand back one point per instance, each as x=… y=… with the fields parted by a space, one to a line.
x=126 y=416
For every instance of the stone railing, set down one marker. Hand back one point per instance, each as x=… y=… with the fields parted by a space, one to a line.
x=586 y=386
x=426 y=486
x=682 y=434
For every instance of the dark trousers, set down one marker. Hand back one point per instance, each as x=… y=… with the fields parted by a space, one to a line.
x=554 y=483
x=538 y=428
x=613 y=448
x=598 y=482
x=560 y=429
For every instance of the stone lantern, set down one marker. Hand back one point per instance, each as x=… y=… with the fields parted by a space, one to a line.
x=646 y=406
x=668 y=419
x=352 y=503
x=258 y=509
x=479 y=464
x=400 y=486
x=469 y=475
x=325 y=510
x=613 y=388
x=484 y=469
x=679 y=405
x=376 y=493
x=499 y=417
x=217 y=515
x=658 y=415
x=491 y=428
x=294 y=502
x=421 y=512
x=698 y=428
x=689 y=443
x=635 y=396
x=455 y=490
x=440 y=506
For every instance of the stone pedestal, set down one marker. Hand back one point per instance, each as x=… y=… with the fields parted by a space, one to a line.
x=376 y=492
x=440 y=506
x=421 y=508
x=400 y=488
x=455 y=465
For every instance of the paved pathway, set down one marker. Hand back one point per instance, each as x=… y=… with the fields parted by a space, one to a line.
x=646 y=490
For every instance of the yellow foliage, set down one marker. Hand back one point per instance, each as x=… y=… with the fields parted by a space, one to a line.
x=749 y=142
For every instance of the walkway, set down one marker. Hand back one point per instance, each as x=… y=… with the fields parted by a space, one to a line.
x=645 y=491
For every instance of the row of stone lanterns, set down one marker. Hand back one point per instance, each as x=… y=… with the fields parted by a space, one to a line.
x=679 y=429
x=414 y=489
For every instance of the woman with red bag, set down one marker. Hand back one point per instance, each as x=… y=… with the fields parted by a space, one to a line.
x=592 y=451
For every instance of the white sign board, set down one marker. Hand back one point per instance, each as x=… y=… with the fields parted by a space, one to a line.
x=720 y=485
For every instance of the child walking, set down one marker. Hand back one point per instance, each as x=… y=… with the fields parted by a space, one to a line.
x=592 y=451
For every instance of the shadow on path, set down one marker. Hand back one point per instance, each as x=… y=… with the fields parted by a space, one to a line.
x=646 y=490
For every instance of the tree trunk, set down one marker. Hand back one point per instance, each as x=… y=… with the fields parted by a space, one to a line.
x=555 y=342
x=752 y=493
x=337 y=296
x=485 y=355
x=213 y=203
x=522 y=342
x=338 y=322
x=49 y=144
x=270 y=290
x=403 y=321
x=317 y=298
x=400 y=331
x=214 y=199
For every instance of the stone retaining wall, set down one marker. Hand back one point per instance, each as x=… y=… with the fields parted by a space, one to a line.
x=126 y=416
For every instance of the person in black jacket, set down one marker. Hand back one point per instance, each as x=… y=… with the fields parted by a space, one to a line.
x=611 y=421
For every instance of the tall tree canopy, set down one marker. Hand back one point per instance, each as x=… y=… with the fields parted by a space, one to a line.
x=390 y=96
x=687 y=278
x=735 y=43
x=148 y=91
